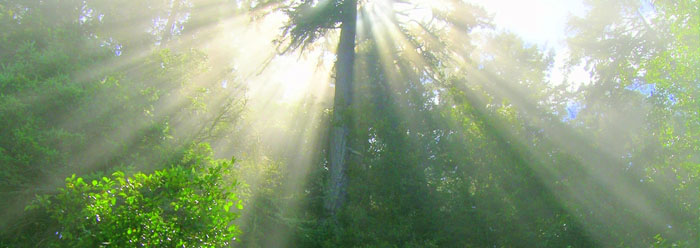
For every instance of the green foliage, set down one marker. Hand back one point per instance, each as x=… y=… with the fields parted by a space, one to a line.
x=80 y=97
x=178 y=206
x=454 y=143
x=653 y=46
x=309 y=20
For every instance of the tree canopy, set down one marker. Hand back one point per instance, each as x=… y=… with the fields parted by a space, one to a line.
x=346 y=123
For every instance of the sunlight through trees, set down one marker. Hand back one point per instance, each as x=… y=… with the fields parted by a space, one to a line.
x=349 y=123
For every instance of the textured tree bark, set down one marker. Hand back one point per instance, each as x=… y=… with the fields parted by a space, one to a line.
x=344 y=68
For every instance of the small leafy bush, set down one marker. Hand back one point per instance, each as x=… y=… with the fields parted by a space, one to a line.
x=176 y=207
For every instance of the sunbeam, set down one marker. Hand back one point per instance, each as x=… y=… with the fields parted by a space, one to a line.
x=349 y=123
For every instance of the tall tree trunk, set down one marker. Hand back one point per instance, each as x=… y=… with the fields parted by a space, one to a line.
x=343 y=99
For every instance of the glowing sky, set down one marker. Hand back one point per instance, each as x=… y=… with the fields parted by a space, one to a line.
x=541 y=23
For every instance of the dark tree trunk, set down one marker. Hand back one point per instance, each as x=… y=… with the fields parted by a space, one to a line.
x=343 y=99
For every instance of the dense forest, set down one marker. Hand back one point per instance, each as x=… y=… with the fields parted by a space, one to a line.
x=346 y=123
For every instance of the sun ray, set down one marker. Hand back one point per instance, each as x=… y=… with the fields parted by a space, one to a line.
x=460 y=132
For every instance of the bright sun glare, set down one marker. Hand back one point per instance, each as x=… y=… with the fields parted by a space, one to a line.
x=467 y=123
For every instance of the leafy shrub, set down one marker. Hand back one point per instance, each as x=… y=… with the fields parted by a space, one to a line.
x=180 y=206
